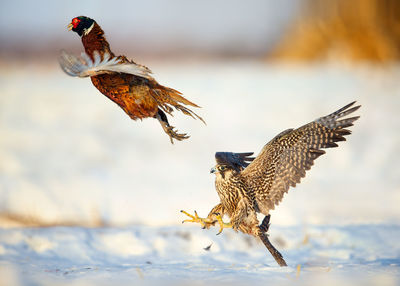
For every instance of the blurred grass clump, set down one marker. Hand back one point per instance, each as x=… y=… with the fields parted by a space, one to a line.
x=356 y=30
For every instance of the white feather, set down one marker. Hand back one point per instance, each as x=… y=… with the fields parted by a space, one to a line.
x=87 y=31
x=84 y=66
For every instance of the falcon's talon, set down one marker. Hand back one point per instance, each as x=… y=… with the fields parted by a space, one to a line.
x=247 y=185
x=222 y=224
x=204 y=222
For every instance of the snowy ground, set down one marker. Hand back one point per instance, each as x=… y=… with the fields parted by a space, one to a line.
x=329 y=255
x=69 y=156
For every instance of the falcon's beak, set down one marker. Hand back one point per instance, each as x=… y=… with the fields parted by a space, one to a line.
x=70 y=26
x=213 y=170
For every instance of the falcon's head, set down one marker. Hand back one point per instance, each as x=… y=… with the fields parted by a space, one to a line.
x=229 y=163
x=81 y=25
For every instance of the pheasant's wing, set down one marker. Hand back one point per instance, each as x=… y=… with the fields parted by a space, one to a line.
x=238 y=161
x=286 y=158
x=84 y=66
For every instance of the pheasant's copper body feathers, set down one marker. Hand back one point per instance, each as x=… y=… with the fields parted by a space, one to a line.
x=247 y=189
x=128 y=84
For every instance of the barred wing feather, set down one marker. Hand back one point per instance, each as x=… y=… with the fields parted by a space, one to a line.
x=283 y=161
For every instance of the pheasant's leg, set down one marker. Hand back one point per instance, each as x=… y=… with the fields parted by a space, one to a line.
x=205 y=222
x=162 y=118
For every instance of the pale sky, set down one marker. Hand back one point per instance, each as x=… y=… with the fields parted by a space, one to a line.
x=155 y=24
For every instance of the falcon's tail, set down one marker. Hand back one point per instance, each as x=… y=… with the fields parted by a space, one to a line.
x=274 y=252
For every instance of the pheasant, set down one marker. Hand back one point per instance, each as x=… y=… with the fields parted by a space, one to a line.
x=128 y=84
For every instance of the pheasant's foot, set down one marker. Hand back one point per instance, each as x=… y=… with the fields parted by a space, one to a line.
x=204 y=222
x=162 y=118
x=174 y=134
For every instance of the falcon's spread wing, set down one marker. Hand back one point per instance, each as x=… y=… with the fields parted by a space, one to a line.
x=238 y=161
x=84 y=66
x=286 y=158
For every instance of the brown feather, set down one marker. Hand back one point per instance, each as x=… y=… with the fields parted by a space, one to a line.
x=245 y=189
x=139 y=97
x=283 y=161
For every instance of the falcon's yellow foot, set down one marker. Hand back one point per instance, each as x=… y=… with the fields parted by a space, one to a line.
x=222 y=224
x=205 y=222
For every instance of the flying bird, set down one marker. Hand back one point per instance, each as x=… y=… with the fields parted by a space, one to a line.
x=247 y=185
x=128 y=84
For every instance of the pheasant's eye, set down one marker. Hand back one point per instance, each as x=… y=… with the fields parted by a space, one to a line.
x=75 y=22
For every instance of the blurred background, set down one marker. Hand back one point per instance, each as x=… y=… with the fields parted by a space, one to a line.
x=69 y=156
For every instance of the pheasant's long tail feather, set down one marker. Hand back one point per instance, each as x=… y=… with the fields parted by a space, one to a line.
x=274 y=252
x=176 y=95
x=167 y=98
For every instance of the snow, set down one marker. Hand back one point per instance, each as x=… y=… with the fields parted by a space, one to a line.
x=144 y=254
x=71 y=157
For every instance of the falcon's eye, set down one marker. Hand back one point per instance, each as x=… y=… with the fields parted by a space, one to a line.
x=222 y=168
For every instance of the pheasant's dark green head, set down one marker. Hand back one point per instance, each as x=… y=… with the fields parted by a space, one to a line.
x=82 y=25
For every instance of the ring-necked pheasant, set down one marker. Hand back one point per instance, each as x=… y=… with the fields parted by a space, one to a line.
x=128 y=84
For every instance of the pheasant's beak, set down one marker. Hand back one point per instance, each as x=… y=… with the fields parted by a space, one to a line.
x=70 y=26
x=213 y=170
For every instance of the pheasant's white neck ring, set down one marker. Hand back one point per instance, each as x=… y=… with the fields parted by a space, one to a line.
x=87 y=31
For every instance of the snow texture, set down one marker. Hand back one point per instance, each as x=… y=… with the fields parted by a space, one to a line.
x=70 y=156
x=331 y=255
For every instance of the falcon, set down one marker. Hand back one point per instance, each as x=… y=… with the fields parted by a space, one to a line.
x=247 y=185
x=128 y=84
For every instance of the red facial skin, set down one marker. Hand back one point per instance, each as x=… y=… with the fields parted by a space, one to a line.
x=75 y=22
